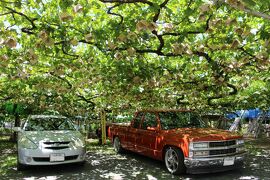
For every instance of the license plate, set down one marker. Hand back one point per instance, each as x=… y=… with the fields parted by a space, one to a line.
x=228 y=161
x=57 y=157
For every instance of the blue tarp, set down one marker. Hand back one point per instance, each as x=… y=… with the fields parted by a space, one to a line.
x=250 y=114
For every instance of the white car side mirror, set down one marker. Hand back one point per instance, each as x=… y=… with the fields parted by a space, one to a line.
x=17 y=129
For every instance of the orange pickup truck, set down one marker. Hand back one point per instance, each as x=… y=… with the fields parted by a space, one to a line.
x=180 y=139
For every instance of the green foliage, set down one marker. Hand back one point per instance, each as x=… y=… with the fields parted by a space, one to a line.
x=11 y=108
x=74 y=56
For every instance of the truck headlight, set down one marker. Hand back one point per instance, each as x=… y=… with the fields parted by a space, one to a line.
x=25 y=142
x=240 y=141
x=200 y=145
x=200 y=153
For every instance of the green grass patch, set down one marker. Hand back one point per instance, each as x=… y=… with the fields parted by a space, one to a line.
x=7 y=163
x=258 y=146
x=8 y=156
x=5 y=143
x=94 y=146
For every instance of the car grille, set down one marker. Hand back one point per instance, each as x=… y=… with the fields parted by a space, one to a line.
x=222 y=143
x=56 y=142
x=47 y=159
x=222 y=151
x=56 y=145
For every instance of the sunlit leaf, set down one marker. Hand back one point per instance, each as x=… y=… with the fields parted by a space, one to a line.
x=78 y=8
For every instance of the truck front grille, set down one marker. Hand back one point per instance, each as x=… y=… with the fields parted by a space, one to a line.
x=222 y=151
x=222 y=143
x=214 y=149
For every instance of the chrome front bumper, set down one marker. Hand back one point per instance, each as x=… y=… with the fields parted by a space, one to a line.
x=215 y=164
x=42 y=157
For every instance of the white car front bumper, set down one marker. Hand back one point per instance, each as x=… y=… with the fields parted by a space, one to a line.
x=41 y=156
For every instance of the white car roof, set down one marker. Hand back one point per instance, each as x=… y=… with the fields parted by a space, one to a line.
x=46 y=116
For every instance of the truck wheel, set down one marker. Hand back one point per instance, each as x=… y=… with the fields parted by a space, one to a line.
x=174 y=160
x=117 y=145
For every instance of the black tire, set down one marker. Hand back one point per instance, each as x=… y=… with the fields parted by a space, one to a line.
x=117 y=145
x=81 y=164
x=20 y=167
x=174 y=160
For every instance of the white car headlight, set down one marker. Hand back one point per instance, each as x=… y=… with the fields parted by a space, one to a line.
x=78 y=143
x=200 y=145
x=25 y=142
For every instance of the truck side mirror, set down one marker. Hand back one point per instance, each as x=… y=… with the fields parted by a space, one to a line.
x=17 y=129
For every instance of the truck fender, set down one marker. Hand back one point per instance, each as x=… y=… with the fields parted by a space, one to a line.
x=168 y=145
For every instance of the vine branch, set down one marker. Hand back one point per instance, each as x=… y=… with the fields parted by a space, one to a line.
x=24 y=29
x=115 y=14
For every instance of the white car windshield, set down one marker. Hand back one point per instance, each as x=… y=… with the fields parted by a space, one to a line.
x=48 y=124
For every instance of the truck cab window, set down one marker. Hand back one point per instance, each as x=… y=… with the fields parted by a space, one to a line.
x=174 y=120
x=137 y=120
x=149 y=120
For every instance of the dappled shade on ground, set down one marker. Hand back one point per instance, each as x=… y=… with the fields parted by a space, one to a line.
x=104 y=163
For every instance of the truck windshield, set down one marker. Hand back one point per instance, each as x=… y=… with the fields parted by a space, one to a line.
x=174 y=120
x=48 y=124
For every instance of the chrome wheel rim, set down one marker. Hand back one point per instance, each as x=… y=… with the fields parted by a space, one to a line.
x=171 y=160
x=116 y=144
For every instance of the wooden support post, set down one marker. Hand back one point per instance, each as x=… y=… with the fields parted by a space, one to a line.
x=103 y=126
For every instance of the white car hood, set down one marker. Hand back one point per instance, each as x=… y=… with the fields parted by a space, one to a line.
x=53 y=136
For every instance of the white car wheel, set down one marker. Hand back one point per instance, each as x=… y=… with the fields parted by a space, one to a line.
x=20 y=167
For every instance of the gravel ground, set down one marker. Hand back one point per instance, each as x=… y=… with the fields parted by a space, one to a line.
x=103 y=163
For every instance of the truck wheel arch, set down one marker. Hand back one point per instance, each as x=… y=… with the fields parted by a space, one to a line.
x=167 y=146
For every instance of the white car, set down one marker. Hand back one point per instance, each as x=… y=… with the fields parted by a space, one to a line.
x=49 y=140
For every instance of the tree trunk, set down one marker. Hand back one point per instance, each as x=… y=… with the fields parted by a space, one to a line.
x=17 y=122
